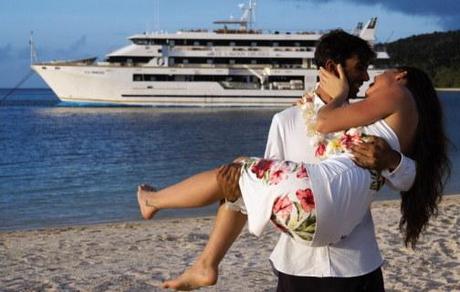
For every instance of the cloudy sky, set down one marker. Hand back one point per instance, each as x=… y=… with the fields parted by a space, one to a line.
x=83 y=28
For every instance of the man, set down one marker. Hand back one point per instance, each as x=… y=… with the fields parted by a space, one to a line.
x=352 y=264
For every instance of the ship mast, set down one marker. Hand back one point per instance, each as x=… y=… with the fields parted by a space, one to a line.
x=33 y=53
x=246 y=21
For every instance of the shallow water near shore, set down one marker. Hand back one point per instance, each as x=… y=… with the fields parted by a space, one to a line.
x=66 y=165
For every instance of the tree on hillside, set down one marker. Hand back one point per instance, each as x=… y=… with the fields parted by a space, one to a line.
x=436 y=53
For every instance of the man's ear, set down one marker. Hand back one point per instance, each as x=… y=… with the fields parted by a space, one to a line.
x=331 y=66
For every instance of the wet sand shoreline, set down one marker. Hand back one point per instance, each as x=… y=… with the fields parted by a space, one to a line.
x=139 y=255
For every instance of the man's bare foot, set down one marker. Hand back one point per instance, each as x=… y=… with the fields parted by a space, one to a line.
x=146 y=206
x=195 y=277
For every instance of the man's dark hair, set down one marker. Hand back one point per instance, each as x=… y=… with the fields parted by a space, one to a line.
x=339 y=46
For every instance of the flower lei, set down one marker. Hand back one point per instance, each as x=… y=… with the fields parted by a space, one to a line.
x=329 y=144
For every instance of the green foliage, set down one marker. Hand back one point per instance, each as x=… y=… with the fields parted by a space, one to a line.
x=436 y=53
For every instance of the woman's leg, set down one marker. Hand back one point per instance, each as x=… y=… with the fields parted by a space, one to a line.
x=196 y=191
x=204 y=271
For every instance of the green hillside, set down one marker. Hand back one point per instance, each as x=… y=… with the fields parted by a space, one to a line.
x=437 y=53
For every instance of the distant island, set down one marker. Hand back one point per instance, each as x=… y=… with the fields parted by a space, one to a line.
x=437 y=53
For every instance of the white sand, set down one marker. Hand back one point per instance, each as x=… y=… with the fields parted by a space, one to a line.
x=138 y=256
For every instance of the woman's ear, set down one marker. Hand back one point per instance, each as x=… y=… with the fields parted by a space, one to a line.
x=401 y=76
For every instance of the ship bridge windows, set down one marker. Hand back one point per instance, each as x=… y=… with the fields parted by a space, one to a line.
x=195 y=78
x=141 y=42
x=128 y=60
x=147 y=42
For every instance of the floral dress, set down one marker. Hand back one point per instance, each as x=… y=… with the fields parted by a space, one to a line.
x=287 y=184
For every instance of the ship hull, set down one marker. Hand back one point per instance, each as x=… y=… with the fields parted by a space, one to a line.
x=114 y=85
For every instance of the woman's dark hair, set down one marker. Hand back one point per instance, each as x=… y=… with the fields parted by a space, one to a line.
x=430 y=152
x=338 y=46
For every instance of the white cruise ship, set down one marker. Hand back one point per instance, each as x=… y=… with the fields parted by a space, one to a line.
x=231 y=66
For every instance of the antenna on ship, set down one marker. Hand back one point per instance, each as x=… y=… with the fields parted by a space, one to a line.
x=33 y=52
x=247 y=19
x=249 y=13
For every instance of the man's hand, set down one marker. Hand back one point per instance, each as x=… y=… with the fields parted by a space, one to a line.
x=228 y=181
x=376 y=154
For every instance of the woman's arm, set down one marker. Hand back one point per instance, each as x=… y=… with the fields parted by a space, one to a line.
x=335 y=116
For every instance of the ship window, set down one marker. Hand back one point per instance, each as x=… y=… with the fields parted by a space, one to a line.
x=196 y=43
x=276 y=44
x=253 y=61
x=232 y=44
x=209 y=44
x=253 y=44
x=185 y=61
x=209 y=61
x=172 y=43
x=140 y=42
x=231 y=62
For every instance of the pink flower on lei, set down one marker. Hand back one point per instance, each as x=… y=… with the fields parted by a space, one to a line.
x=350 y=137
x=306 y=199
x=320 y=150
x=261 y=167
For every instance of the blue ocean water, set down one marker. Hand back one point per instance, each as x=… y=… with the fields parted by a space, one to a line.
x=66 y=165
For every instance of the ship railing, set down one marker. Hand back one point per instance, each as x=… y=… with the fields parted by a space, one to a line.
x=244 y=48
x=240 y=66
x=83 y=62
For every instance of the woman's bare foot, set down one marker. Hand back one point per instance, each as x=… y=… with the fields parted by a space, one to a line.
x=146 y=206
x=198 y=275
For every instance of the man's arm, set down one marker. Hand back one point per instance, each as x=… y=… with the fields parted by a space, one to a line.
x=375 y=153
x=274 y=148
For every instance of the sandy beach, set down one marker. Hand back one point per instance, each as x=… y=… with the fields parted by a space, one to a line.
x=137 y=256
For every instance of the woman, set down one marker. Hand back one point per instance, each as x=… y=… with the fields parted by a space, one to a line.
x=293 y=193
